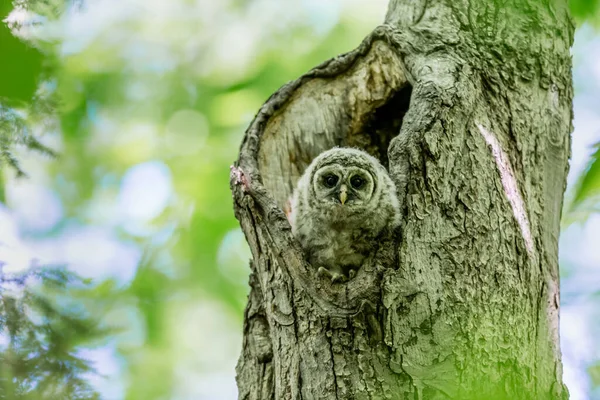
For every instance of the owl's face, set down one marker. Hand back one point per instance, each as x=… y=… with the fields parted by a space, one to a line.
x=343 y=189
x=343 y=186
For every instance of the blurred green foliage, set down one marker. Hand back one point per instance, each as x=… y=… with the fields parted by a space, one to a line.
x=20 y=61
x=175 y=85
x=41 y=332
x=586 y=194
x=585 y=10
x=21 y=101
x=585 y=197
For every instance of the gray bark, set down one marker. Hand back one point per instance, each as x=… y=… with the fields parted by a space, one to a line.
x=468 y=103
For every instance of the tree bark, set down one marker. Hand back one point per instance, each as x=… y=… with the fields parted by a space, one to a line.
x=468 y=104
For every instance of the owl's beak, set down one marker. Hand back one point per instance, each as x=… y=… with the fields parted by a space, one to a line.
x=343 y=194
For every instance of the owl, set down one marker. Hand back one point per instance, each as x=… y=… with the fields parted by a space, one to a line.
x=343 y=205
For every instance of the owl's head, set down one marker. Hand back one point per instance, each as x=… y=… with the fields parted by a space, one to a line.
x=348 y=181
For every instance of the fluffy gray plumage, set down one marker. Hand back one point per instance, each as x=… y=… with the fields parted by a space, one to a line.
x=342 y=206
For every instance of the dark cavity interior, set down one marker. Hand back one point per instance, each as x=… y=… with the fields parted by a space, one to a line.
x=381 y=125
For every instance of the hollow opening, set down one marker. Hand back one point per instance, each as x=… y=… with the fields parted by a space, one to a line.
x=363 y=108
x=381 y=126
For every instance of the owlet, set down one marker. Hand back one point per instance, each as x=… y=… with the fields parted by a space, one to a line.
x=343 y=205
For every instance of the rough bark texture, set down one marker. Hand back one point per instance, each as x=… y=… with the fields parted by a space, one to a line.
x=468 y=103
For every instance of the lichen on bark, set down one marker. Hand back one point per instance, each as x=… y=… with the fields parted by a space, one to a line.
x=468 y=104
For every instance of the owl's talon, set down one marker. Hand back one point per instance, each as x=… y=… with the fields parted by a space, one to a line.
x=336 y=277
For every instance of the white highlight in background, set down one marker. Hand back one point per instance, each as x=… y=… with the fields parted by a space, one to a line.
x=35 y=207
x=146 y=189
x=15 y=256
x=91 y=252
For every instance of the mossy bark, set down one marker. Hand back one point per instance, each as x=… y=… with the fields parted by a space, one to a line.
x=468 y=104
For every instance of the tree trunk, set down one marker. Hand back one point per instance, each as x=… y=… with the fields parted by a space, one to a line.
x=468 y=104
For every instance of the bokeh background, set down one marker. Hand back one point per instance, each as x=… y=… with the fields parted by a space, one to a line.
x=144 y=103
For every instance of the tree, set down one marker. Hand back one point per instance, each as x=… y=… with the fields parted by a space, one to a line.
x=469 y=105
x=42 y=326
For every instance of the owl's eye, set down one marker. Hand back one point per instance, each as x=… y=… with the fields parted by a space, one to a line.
x=330 y=180
x=357 y=182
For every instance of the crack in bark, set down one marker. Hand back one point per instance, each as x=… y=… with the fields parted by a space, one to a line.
x=329 y=335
